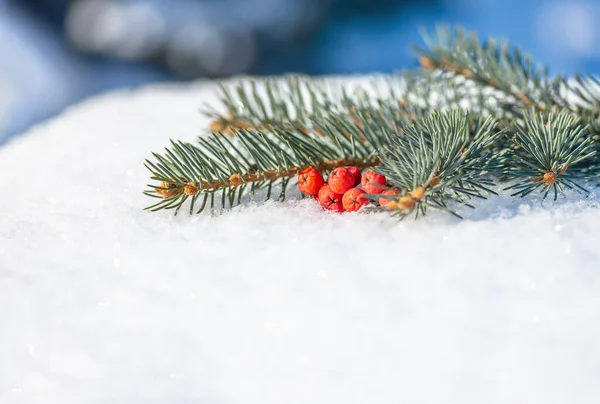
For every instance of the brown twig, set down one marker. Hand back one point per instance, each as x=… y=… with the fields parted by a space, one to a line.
x=190 y=188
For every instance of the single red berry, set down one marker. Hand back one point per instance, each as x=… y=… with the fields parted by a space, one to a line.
x=327 y=197
x=391 y=191
x=336 y=207
x=310 y=180
x=341 y=180
x=355 y=171
x=353 y=199
x=373 y=183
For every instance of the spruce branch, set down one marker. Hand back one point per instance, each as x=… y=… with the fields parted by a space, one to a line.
x=287 y=102
x=519 y=82
x=551 y=151
x=250 y=159
x=440 y=158
x=524 y=129
x=297 y=102
x=493 y=63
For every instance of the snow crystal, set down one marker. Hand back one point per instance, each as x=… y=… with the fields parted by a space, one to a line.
x=101 y=302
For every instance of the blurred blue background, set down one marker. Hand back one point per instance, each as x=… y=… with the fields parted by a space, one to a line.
x=56 y=52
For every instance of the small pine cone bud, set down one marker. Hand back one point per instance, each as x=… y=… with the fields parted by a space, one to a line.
x=418 y=193
x=271 y=174
x=218 y=126
x=434 y=181
x=235 y=180
x=167 y=190
x=191 y=189
x=404 y=203
x=549 y=178
x=467 y=73
x=392 y=206
x=427 y=63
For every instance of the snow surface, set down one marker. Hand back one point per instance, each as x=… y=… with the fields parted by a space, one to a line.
x=101 y=302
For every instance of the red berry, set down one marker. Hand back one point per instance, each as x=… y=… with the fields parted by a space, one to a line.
x=373 y=183
x=310 y=180
x=355 y=171
x=327 y=197
x=336 y=207
x=353 y=199
x=391 y=191
x=341 y=180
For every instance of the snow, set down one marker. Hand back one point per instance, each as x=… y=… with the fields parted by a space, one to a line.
x=101 y=302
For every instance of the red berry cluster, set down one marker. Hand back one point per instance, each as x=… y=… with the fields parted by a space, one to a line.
x=341 y=192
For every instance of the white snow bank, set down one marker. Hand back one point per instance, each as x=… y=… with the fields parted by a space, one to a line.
x=101 y=302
